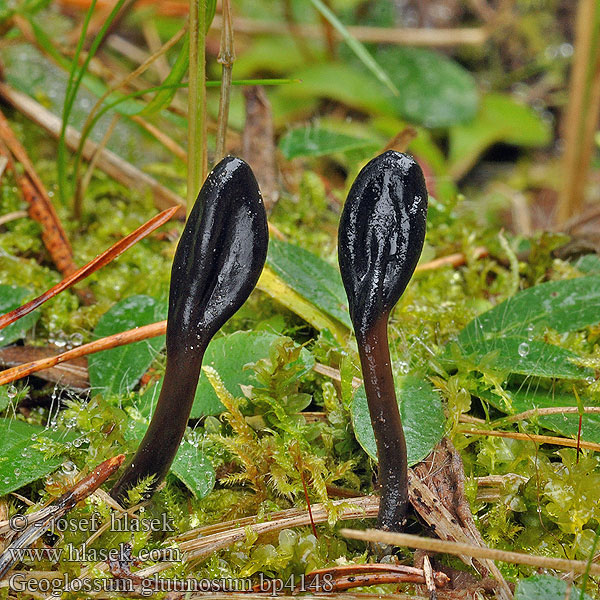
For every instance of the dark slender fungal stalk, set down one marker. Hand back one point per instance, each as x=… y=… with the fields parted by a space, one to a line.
x=218 y=261
x=380 y=239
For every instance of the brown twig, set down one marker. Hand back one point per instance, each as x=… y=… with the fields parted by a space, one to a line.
x=87 y=486
x=452 y=260
x=97 y=263
x=552 y=410
x=41 y=208
x=258 y=143
x=112 y=341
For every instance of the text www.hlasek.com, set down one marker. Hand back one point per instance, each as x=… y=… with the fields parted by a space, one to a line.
x=72 y=553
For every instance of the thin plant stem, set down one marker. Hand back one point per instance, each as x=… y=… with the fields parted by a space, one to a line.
x=89 y=122
x=82 y=185
x=447 y=547
x=576 y=158
x=226 y=58
x=197 y=155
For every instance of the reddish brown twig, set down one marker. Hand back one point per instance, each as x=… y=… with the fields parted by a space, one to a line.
x=100 y=261
x=87 y=486
x=452 y=260
x=40 y=207
x=335 y=579
x=112 y=341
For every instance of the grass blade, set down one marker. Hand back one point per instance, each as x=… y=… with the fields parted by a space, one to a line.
x=361 y=52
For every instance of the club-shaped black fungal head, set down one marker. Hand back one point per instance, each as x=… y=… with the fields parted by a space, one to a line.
x=381 y=235
x=218 y=261
x=220 y=255
x=380 y=239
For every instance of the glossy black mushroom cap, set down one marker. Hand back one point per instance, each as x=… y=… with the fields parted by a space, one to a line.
x=381 y=235
x=218 y=261
x=220 y=255
x=380 y=239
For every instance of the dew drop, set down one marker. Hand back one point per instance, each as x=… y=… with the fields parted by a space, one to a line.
x=69 y=467
x=12 y=391
x=523 y=349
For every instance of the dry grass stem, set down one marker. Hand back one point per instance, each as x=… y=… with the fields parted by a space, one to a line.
x=532 y=437
x=226 y=58
x=575 y=161
x=113 y=165
x=553 y=410
x=456 y=548
x=404 y=36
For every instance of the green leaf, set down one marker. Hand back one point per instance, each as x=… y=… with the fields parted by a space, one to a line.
x=12 y=297
x=359 y=50
x=315 y=141
x=118 y=370
x=190 y=466
x=436 y=91
x=310 y=276
x=163 y=97
x=532 y=358
x=211 y=8
x=341 y=82
x=566 y=305
x=565 y=424
x=545 y=587
x=588 y=264
x=194 y=469
x=20 y=462
x=227 y=355
x=500 y=119
x=422 y=418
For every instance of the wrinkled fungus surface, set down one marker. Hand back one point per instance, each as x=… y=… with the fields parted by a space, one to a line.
x=381 y=236
x=218 y=261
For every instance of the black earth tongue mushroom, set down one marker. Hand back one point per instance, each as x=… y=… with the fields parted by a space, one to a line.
x=218 y=261
x=380 y=239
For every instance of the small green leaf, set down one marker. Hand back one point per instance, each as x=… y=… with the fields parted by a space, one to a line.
x=532 y=358
x=20 y=462
x=436 y=91
x=163 y=97
x=227 y=355
x=588 y=264
x=194 y=469
x=545 y=587
x=566 y=305
x=315 y=141
x=310 y=276
x=118 y=370
x=12 y=297
x=422 y=418
x=341 y=82
x=500 y=119
x=190 y=466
